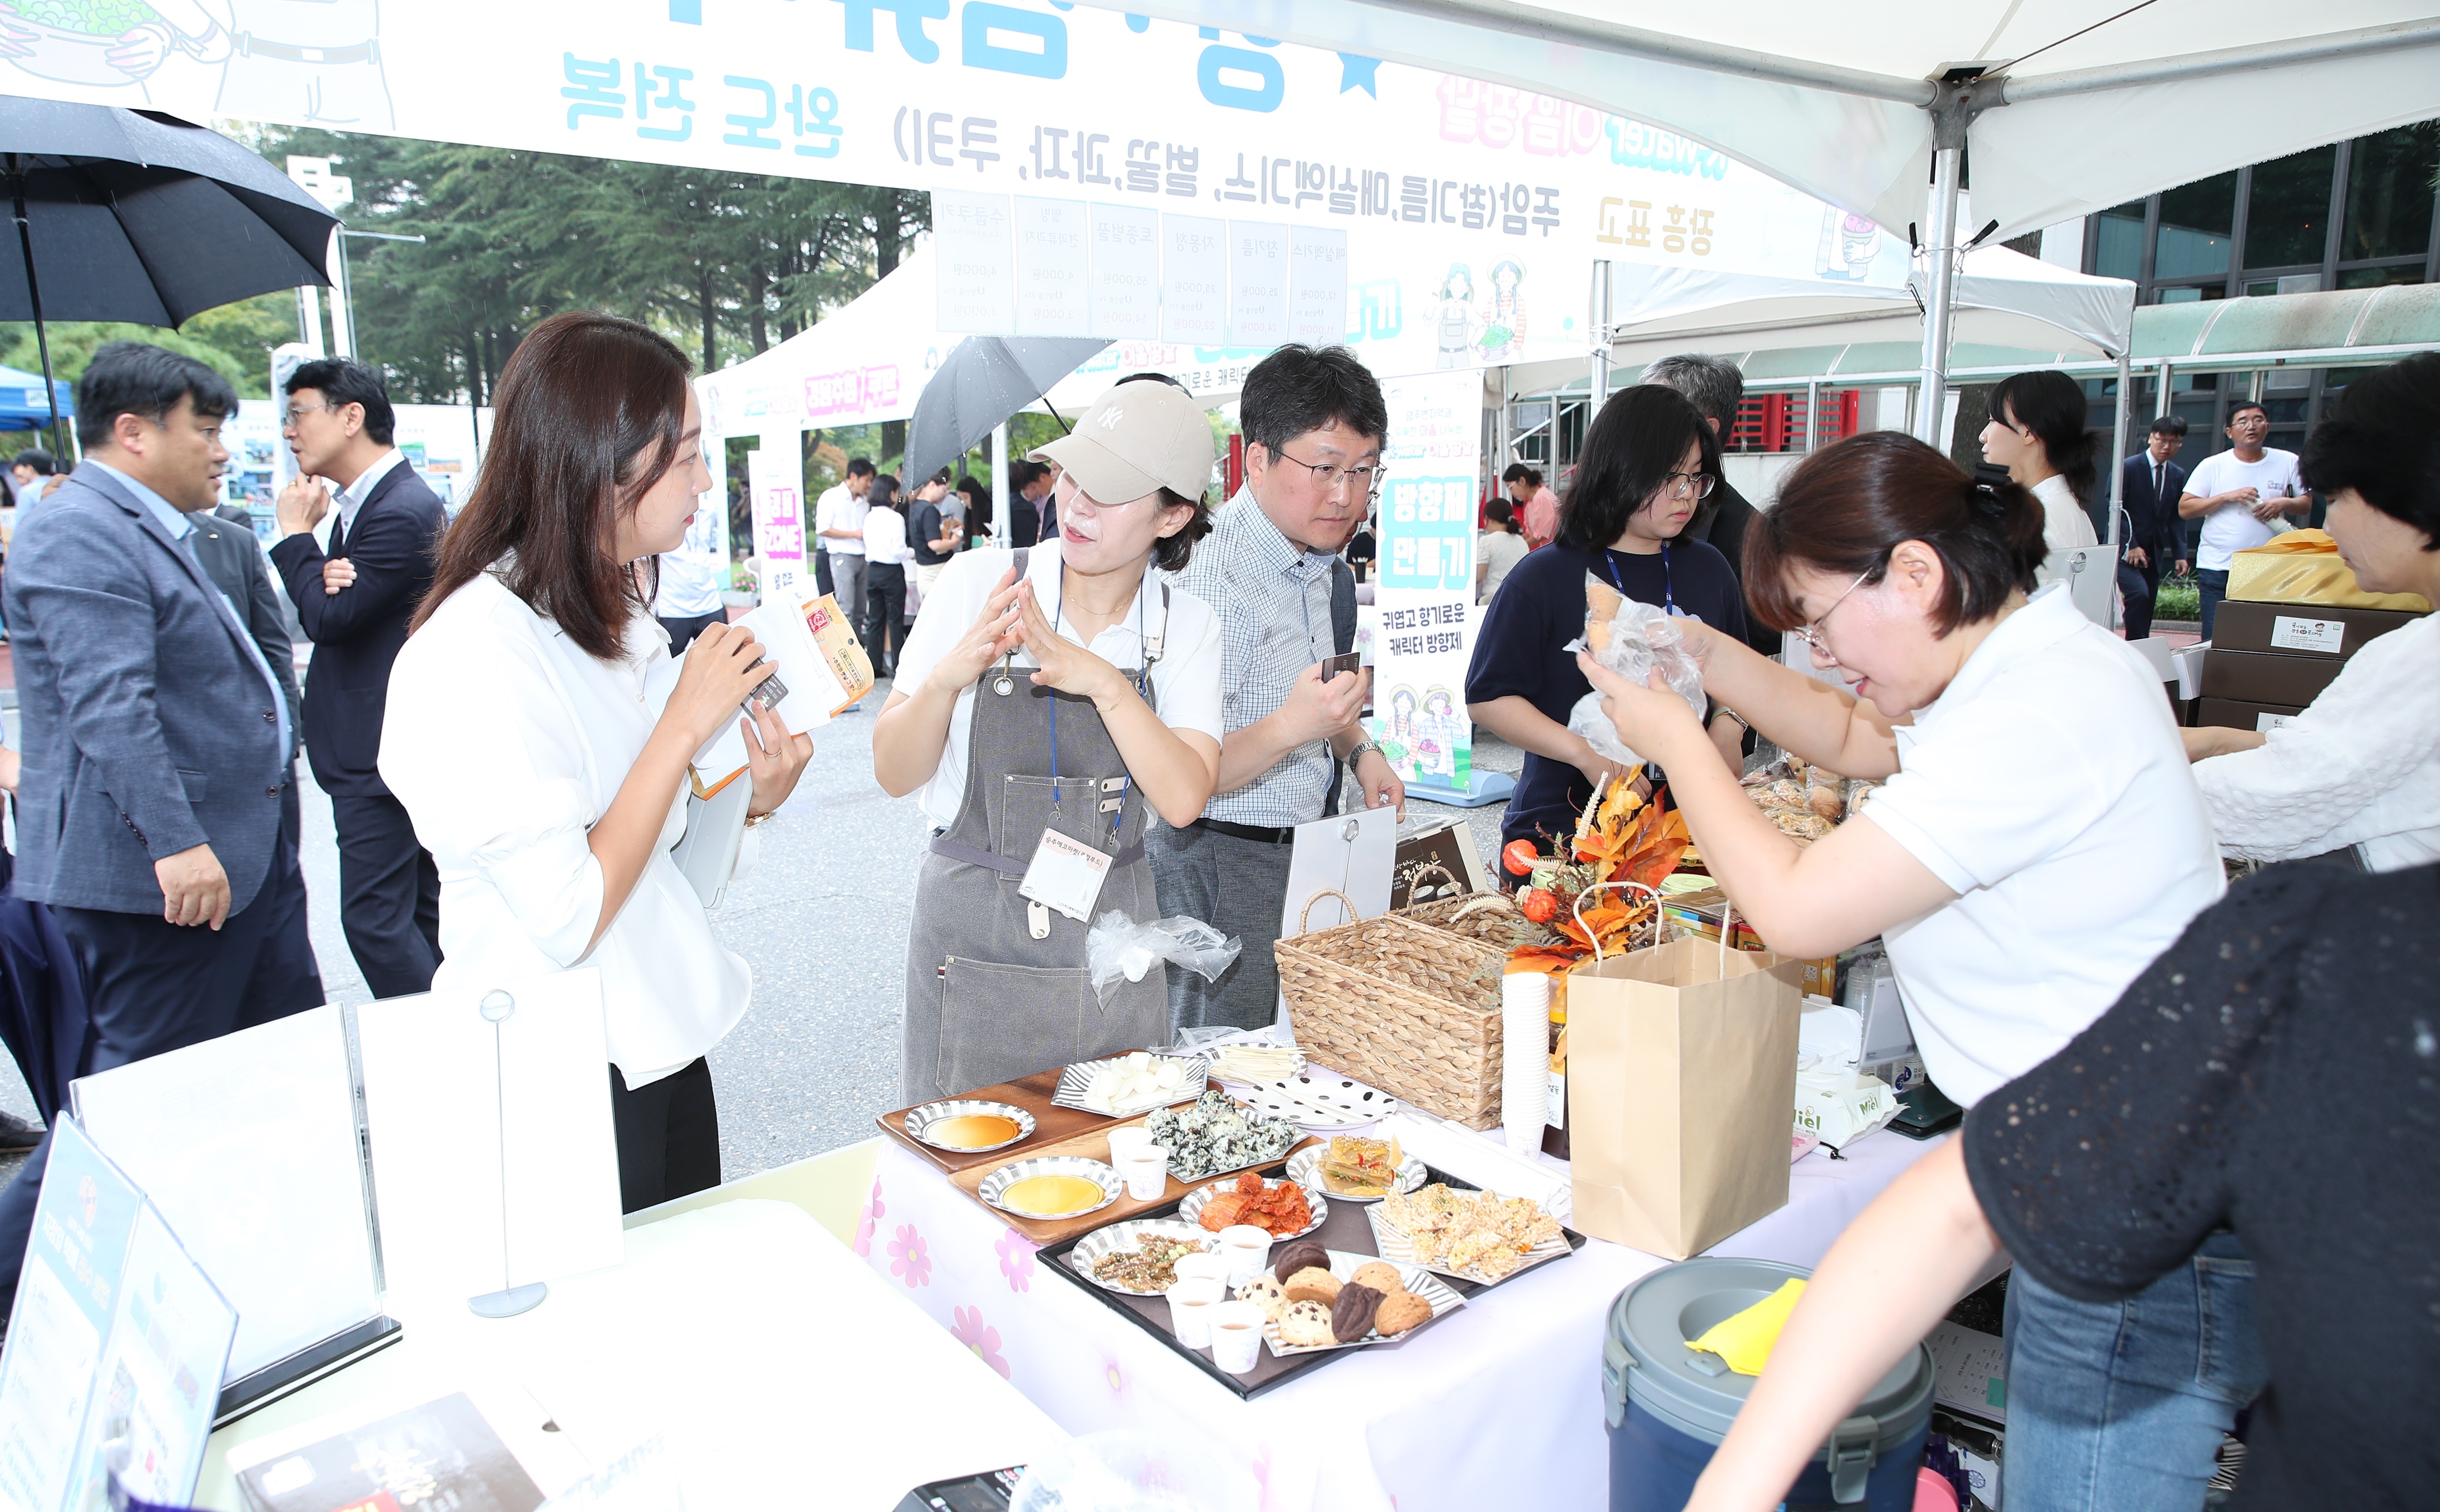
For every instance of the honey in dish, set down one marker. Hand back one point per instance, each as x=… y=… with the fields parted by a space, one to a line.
x=1052 y=1196
x=972 y=1131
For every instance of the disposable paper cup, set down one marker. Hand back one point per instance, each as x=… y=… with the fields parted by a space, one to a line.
x=1128 y=1139
x=1248 y=1250
x=1213 y=1267
x=1192 y=1304
x=1236 y=1336
x=1146 y=1172
x=1525 y=1061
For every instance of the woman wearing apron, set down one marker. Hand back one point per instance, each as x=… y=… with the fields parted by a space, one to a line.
x=1046 y=701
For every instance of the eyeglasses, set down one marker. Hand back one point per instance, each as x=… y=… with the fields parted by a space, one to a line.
x=294 y=410
x=1329 y=474
x=1811 y=634
x=1689 y=484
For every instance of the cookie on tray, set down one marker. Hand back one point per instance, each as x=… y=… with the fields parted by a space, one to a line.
x=1313 y=1284
x=1265 y=1293
x=1380 y=1276
x=1306 y=1322
x=1398 y=1313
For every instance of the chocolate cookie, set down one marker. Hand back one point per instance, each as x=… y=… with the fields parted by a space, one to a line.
x=1313 y=1284
x=1304 y=1253
x=1351 y=1316
x=1306 y=1322
x=1381 y=1276
x=1399 y=1312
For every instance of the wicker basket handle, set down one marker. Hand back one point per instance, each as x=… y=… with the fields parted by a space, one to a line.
x=1354 y=914
x=1415 y=883
x=1596 y=887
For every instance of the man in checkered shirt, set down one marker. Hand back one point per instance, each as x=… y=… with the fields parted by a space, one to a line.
x=1314 y=424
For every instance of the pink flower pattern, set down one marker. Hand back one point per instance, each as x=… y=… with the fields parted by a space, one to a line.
x=867 y=1221
x=1016 y=1254
x=970 y=1331
x=907 y=1259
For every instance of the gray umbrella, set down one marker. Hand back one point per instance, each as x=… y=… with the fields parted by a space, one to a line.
x=985 y=380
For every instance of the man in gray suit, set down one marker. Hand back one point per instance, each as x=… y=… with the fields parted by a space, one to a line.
x=232 y=558
x=158 y=805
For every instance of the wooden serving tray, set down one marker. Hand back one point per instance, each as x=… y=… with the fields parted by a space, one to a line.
x=1051 y=1124
x=1093 y=1145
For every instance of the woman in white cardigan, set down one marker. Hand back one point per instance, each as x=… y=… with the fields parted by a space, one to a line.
x=2357 y=773
x=545 y=780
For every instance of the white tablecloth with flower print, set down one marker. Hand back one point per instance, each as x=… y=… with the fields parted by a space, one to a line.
x=1496 y=1406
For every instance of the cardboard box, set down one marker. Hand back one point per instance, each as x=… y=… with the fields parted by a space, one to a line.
x=2302 y=629
x=2231 y=714
x=2262 y=677
x=1696 y=916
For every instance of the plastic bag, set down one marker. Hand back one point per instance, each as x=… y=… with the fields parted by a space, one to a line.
x=1119 y=948
x=1631 y=639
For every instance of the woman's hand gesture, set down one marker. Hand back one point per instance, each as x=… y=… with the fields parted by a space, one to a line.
x=720 y=671
x=993 y=635
x=774 y=758
x=1653 y=722
x=1064 y=664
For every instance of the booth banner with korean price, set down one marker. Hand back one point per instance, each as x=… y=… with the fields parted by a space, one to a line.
x=1425 y=594
x=775 y=475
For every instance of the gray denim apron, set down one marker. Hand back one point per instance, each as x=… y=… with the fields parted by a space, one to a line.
x=987 y=1001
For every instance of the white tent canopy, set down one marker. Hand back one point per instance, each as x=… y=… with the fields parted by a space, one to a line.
x=863 y=363
x=2103 y=100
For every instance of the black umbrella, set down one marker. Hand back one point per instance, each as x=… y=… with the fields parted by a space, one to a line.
x=136 y=216
x=983 y=382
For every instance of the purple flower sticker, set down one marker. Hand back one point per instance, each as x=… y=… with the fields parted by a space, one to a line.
x=969 y=1329
x=867 y=1221
x=1016 y=1254
x=907 y=1259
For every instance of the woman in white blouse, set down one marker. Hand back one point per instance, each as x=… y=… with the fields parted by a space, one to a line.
x=520 y=734
x=2038 y=433
x=2358 y=770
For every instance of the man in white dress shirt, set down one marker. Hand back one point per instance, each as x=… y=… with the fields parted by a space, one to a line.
x=839 y=524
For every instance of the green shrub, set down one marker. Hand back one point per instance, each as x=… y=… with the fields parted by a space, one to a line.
x=2178 y=598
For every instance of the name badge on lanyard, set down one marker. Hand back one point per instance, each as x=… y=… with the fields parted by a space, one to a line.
x=1066 y=874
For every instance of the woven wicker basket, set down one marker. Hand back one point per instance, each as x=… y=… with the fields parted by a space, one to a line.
x=1504 y=928
x=1412 y=1010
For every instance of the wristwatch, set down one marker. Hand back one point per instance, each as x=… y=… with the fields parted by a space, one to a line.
x=1742 y=722
x=1357 y=755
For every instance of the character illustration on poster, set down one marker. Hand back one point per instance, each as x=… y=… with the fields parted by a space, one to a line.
x=1456 y=297
x=1500 y=338
x=1438 y=732
x=1848 y=245
x=311 y=62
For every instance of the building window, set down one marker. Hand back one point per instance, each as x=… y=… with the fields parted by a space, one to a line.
x=2389 y=195
x=2288 y=216
x=2195 y=222
x=2119 y=253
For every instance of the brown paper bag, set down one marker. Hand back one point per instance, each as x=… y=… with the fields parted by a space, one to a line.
x=1681 y=1091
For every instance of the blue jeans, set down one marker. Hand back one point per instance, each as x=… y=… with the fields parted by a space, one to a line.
x=2119 y=1407
x=2214 y=587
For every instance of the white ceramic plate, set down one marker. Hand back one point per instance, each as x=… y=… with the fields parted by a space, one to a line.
x=1396 y=1246
x=1305 y=1166
x=921 y=1121
x=1321 y=1103
x=1077 y=1079
x=1196 y=1201
x=1008 y=1175
x=1126 y=1236
x=1415 y=1278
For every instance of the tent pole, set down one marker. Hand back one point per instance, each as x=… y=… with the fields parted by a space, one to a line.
x=2118 y=447
x=999 y=480
x=1931 y=397
x=1601 y=336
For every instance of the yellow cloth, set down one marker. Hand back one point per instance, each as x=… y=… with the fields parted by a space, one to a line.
x=2303 y=567
x=1747 y=1339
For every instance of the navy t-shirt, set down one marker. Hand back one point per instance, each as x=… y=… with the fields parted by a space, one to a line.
x=1521 y=651
x=924 y=529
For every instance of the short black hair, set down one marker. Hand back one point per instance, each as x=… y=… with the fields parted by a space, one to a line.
x=40 y=460
x=136 y=378
x=858 y=466
x=1519 y=473
x=2169 y=424
x=1630 y=449
x=1300 y=388
x=940 y=477
x=343 y=381
x=1149 y=377
x=2242 y=405
x=2383 y=439
x=2053 y=407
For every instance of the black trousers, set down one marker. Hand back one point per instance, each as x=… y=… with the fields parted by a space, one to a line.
x=822 y=574
x=153 y=986
x=684 y=630
x=389 y=895
x=2138 y=586
x=885 y=600
x=668 y=1136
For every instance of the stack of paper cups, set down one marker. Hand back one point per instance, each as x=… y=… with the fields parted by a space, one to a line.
x=1525 y=1059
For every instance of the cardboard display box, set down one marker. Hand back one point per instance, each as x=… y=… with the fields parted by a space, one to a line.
x=2231 y=714
x=2302 y=629
x=2264 y=678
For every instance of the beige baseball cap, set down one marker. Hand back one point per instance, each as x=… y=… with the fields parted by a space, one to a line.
x=1137 y=438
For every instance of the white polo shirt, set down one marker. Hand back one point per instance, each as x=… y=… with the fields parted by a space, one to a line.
x=2048 y=788
x=2232 y=528
x=838 y=510
x=1185 y=682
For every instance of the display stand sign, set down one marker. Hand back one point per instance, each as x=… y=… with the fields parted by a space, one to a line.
x=117 y=1340
x=1425 y=597
x=1348 y=853
x=774 y=479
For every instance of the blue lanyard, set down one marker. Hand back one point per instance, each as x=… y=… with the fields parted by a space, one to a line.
x=1126 y=783
x=1668 y=594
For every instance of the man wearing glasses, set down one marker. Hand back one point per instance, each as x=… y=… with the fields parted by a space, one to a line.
x=1313 y=423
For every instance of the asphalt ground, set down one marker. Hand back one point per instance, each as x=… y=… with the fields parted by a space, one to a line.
x=823 y=920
